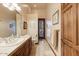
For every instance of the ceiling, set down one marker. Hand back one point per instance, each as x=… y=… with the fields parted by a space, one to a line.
x=38 y=5
x=28 y=7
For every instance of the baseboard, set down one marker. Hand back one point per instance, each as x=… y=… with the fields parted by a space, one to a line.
x=51 y=48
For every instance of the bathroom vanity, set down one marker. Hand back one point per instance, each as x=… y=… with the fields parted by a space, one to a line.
x=23 y=50
x=22 y=47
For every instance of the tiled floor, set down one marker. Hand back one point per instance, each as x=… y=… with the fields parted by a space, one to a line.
x=42 y=49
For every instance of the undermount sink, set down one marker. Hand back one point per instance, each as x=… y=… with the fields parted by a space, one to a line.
x=9 y=42
x=13 y=43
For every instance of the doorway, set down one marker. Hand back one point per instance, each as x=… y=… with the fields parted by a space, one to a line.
x=41 y=28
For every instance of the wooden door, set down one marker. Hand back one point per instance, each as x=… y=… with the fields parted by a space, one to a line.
x=41 y=28
x=69 y=26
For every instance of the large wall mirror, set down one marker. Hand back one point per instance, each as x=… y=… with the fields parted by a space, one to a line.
x=7 y=22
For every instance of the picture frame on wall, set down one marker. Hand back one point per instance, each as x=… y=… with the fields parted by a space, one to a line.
x=55 y=18
x=25 y=25
x=11 y=25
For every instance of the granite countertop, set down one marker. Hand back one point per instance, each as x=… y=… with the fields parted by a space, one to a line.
x=6 y=50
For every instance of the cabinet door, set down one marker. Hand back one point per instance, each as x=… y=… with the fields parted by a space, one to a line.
x=26 y=52
x=19 y=51
x=69 y=29
x=24 y=49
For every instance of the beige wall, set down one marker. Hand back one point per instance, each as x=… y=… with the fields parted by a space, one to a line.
x=6 y=18
x=41 y=12
x=20 y=18
x=37 y=13
x=18 y=24
x=32 y=27
x=27 y=12
x=24 y=19
x=50 y=11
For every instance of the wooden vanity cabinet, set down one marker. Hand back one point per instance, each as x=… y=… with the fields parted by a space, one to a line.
x=24 y=49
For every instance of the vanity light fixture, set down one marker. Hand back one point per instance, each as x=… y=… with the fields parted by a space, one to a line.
x=16 y=7
x=9 y=6
x=12 y=6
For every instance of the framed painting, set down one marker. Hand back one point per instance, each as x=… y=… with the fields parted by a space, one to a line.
x=25 y=25
x=55 y=18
